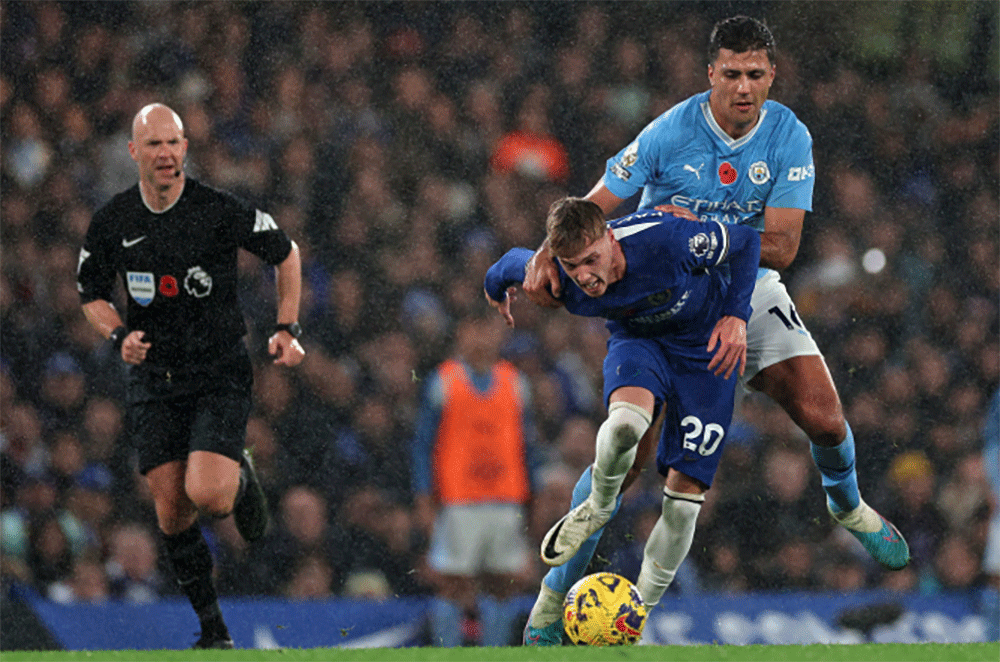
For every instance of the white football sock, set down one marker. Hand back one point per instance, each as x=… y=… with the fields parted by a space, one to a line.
x=863 y=518
x=617 y=440
x=668 y=544
x=548 y=607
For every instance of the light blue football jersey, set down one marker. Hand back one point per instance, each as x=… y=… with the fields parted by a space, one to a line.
x=684 y=158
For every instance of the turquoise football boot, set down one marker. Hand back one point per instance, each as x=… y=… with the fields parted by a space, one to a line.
x=882 y=540
x=550 y=635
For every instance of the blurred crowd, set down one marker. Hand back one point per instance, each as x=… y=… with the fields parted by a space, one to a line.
x=405 y=147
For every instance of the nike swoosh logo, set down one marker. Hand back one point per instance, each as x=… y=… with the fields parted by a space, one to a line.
x=129 y=243
x=893 y=536
x=550 y=549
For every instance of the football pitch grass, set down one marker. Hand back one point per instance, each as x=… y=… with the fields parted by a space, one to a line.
x=980 y=652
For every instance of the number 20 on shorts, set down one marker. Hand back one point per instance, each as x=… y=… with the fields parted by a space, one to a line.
x=709 y=436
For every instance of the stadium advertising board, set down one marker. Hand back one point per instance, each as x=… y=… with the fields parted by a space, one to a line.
x=793 y=618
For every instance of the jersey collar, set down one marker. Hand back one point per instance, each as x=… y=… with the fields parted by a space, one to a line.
x=171 y=206
x=725 y=137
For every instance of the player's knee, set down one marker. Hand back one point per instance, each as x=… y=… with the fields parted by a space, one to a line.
x=824 y=423
x=626 y=424
x=174 y=517
x=215 y=500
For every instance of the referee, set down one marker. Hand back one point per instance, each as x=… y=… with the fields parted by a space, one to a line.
x=174 y=243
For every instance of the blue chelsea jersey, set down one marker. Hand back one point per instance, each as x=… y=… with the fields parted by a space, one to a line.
x=684 y=158
x=672 y=288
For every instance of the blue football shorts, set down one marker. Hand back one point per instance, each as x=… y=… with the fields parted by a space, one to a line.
x=698 y=404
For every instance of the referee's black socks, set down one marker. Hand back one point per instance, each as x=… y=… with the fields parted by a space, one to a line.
x=192 y=563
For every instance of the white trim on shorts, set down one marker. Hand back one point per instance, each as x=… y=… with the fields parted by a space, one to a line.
x=769 y=338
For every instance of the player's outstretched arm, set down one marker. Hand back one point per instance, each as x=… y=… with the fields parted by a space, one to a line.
x=503 y=306
x=541 y=278
x=502 y=278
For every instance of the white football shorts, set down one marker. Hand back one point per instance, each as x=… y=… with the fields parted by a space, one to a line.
x=473 y=539
x=775 y=332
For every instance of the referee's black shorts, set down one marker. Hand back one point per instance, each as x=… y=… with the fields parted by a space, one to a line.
x=172 y=413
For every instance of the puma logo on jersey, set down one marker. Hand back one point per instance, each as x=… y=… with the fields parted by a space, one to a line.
x=696 y=171
x=129 y=243
x=264 y=222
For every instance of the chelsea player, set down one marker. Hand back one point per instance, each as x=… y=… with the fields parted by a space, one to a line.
x=731 y=155
x=678 y=333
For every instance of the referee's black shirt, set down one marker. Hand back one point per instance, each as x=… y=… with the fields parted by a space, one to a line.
x=179 y=269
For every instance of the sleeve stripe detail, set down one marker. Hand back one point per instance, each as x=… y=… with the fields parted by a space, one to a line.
x=629 y=230
x=724 y=243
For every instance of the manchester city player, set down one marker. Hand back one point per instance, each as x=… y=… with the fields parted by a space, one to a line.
x=678 y=333
x=730 y=155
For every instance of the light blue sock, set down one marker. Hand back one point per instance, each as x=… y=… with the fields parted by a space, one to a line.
x=561 y=578
x=496 y=620
x=446 y=623
x=840 y=480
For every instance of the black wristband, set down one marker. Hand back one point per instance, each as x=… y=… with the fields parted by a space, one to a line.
x=294 y=329
x=117 y=337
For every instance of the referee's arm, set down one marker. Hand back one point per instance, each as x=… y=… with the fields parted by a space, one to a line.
x=103 y=317
x=285 y=348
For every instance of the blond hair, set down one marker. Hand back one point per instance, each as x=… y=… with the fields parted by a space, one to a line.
x=573 y=224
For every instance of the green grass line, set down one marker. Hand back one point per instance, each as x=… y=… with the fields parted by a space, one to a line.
x=979 y=652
